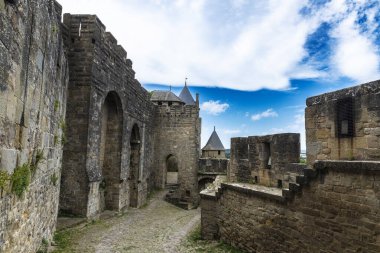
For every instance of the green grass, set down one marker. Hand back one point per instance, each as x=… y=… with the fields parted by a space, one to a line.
x=63 y=240
x=195 y=243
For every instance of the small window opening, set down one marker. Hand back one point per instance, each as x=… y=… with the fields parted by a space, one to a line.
x=170 y=103
x=279 y=183
x=187 y=193
x=218 y=152
x=256 y=179
x=267 y=155
x=345 y=118
x=159 y=103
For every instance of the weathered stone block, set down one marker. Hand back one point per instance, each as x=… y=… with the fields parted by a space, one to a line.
x=8 y=159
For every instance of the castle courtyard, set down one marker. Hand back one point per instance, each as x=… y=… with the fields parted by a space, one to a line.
x=156 y=227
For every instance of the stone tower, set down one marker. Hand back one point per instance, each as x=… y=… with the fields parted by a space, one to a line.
x=177 y=143
x=214 y=147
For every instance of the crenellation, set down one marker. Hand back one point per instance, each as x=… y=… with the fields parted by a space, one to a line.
x=315 y=207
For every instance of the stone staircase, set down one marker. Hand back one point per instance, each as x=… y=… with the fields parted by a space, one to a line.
x=173 y=197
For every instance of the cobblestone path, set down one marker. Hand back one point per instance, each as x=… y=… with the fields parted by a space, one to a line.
x=157 y=227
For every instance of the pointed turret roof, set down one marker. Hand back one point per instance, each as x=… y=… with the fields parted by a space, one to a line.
x=169 y=96
x=186 y=97
x=214 y=142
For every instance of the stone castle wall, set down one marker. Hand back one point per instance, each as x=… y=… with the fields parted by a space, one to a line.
x=177 y=133
x=101 y=75
x=213 y=166
x=33 y=84
x=264 y=160
x=336 y=211
x=209 y=169
x=321 y=115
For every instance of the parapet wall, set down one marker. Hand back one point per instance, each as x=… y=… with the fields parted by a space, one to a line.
x=33 y=84
x=101 y=76
x=336 y=210
x=213 y=166
x=355 y=110
x=263 y=159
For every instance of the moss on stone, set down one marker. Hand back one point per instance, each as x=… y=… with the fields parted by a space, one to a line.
x=20 y=179
x=4 y=179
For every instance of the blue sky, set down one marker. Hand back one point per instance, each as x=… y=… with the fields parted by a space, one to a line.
x=253 y=62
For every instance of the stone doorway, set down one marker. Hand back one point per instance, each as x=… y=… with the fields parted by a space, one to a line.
x=134 y=166
x=110 y=152
x=171 y=170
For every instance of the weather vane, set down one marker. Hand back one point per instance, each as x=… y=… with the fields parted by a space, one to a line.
x=186 y=81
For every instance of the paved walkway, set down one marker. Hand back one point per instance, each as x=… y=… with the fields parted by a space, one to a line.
x=158 y=227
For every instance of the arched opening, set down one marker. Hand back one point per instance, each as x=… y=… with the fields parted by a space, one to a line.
x=204 y=182
x=171 y=170
x=134 y=166
x=110 y=152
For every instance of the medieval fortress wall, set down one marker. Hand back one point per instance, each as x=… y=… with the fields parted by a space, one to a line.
x=178 y=134
x=33 y=92
x=330 y=206
x=106 y=104
x=78 y=133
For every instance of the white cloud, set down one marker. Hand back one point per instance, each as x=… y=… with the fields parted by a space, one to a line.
x=214 y=107
x=298 y=126
x=231 y=131
x=246 y=45
x=355 y=54
x=270 y=113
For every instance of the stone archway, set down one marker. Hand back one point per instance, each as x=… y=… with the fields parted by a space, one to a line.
x=110 y=152
x=134 y=166
x=171 y=170
x=204 y=182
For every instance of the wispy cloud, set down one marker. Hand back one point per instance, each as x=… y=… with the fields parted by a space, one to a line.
x=231 y=131
x=298 y=126
x=168 y=40
x=214 y=107
x=270 y=113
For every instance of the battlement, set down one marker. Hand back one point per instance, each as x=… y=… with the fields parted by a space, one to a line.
x=177 y=111
x=90 y=28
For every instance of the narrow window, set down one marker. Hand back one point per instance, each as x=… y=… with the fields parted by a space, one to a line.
x=218 y=152
x=256 y=179
x=267 y=155
x=345 y=118
x=279 y=184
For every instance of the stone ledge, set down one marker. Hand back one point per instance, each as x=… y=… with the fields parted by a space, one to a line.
x=208 y=195
x=357 y=167
x=269 y=193
x=211 y=173
x=363 y=89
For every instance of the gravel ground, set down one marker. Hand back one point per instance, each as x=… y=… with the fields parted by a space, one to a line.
x=157 y=227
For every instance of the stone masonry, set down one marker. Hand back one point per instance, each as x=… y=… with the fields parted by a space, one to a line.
x=178 y=129
x=106 y=153
x=358 y=110
x=33 y=91
x=331 y=206
x=103 y=94
x=266 y=160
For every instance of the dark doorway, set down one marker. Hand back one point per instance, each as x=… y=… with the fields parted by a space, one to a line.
x=110 y=152
x=171 y=170
x=134 y=167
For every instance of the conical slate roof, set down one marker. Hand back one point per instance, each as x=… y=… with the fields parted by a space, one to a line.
x=168 y=96
x=214 y=143
x=186 y=97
